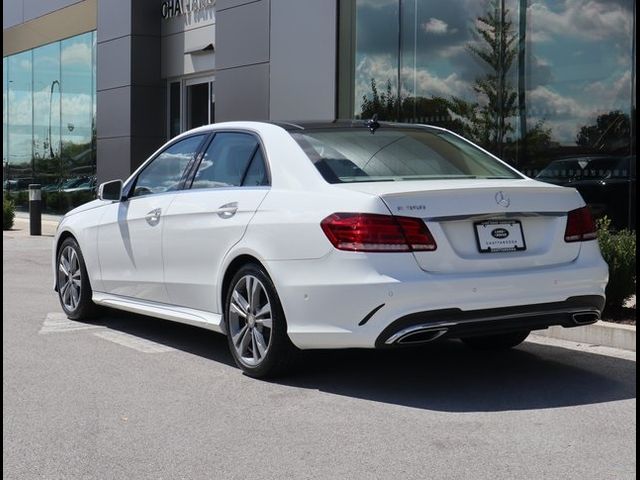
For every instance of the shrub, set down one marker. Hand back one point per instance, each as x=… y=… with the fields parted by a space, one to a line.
x=8 y=214
x=619 y=251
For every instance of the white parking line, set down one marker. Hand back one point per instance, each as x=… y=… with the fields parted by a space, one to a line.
x=56 y=322
x=131 y=341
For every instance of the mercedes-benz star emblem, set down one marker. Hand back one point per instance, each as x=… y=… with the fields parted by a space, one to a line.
x=502 y=199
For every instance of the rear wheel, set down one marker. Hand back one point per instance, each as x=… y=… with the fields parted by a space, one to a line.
x=74 y=289
x=496 y=342
x=256 y=326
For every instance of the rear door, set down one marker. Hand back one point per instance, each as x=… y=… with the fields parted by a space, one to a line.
x=203 y=224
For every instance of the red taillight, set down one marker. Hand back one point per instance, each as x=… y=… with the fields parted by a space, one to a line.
x=368 y=232
x=580 y=226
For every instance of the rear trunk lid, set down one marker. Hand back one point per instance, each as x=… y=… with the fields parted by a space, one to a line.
x=485 y=225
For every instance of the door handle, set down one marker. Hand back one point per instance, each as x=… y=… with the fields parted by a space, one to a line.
x=227 y=210
x=153 y=217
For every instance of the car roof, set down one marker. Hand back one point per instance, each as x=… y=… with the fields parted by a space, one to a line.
x=344 y=124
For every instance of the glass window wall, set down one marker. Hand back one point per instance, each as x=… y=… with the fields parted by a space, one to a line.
x=540 y=83
x=49 y=97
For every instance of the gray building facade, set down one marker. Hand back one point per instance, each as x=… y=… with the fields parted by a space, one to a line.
x=159 y=68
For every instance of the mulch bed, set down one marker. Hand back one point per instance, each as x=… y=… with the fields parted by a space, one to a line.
x=623 y=315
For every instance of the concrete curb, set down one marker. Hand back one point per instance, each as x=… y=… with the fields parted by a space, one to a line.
x=607 y=334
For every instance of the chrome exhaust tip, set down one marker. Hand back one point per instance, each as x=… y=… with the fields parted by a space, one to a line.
x=585 y=318
x=416 y=335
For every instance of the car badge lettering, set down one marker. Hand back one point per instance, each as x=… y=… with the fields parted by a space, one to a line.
x=502 y=199
x=500 y=233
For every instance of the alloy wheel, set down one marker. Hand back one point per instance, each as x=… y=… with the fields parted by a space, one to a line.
x=249 y=320
x=69 y=278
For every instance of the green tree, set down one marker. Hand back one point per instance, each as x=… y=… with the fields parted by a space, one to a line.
x=610 y=133
x=487 y=120
x=385 y=104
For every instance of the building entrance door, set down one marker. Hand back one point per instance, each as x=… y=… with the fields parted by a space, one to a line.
x=191 y=104
x=200 y=103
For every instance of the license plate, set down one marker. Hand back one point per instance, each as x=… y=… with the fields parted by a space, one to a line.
x=495 y=236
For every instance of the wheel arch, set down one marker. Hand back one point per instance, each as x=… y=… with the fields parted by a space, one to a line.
x=232 y=268
x=62 y=236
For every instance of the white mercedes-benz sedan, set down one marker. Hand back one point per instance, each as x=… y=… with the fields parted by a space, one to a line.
x=288 y=237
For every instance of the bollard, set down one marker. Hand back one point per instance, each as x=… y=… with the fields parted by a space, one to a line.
x=35 y=209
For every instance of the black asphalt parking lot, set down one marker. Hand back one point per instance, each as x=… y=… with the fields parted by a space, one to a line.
x=135 y=397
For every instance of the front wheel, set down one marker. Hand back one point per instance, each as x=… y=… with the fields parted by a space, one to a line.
x=74 y=289
x=496 y=342
x=256 y=325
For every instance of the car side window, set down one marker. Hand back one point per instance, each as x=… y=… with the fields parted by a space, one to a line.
x=165 y=171
x=226 y=161
x=256 y=175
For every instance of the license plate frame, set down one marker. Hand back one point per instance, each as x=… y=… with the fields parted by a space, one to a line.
x=499 y=236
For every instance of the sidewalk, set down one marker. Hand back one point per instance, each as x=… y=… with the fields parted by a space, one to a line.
x=21 y=225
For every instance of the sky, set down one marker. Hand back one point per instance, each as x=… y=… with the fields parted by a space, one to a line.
x=578 y=54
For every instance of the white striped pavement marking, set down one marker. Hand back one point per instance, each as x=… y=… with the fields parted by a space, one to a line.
x=56 y=322
x=131 y=341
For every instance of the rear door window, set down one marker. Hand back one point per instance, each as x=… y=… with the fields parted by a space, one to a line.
x=231 y=160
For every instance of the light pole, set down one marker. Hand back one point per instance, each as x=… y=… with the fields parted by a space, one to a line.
x=50 y=100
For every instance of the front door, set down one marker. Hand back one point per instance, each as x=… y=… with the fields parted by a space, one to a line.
x=130 y=237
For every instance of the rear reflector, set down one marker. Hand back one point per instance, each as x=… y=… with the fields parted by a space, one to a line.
x=368 y=232
x=580 y=226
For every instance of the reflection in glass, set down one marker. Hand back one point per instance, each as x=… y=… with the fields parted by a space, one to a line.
x=5 y=151
x=531 y=81
x=77 y=116
x=49 y=122
x=165 y=172
x=377 y=56
x=19 y=131
x=46 y=115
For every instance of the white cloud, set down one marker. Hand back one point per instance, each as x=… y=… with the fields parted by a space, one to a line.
x=590 y=19
x=544 y=102
x=427 y=84
x=436 y=26
x=612 y=94
x=78 y=53
x=539 y=36
x=430 y=85
x=451 y=51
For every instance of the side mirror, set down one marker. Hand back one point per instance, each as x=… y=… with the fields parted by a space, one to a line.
x=110 y=190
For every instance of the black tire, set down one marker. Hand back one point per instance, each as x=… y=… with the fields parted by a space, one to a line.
x=502 y=341
x=83 y=307
x=281 y=353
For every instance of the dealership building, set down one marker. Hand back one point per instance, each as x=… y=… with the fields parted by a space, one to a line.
x=91 y=88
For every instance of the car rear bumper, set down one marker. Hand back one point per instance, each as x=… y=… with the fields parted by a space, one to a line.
x=359 y=300
x=423 y=327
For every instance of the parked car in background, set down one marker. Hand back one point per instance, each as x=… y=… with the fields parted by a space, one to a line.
x=16 y=184
x=332 y=235
x=603 y=181
x=82 y=184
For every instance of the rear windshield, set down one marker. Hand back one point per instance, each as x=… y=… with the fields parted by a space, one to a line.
x=395 y=154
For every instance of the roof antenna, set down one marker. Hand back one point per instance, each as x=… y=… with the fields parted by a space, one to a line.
x=373 y=124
